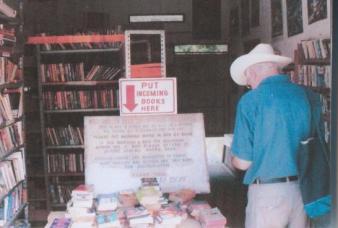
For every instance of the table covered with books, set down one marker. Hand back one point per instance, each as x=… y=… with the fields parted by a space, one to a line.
x=143 y=172
x=147 y=207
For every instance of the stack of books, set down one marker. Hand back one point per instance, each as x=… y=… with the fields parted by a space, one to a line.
x=107 y=202
x=149 y=194
x=106 y=215
x=11 y=106
x=62 y=72
x=183 y=196
x=170 y=216
x=10 y=137
x=9 y=71
x=80 y=208
x=101 y=72
x=313 y=75
x=68 y=135
x=7 y=10
x=61 y=223
x=60 y=191
x=127 y=198
x=11 y=204
x=6 y=113
x=79 y=99
x=108 y=220
x=12 y=171
x=65 y=163
x=315 y=49
x=139 y=217
x=67 y=72
x=212 y=218
x=195 y=208
x=122 y=210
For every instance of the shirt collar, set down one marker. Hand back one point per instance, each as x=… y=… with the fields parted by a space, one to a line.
x=278 y=78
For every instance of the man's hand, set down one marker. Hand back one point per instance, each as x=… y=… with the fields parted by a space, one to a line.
x=240 y=163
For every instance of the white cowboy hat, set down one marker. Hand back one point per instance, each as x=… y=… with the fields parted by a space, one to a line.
x=261 y=53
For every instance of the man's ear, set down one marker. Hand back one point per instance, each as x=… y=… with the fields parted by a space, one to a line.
x=250 y=75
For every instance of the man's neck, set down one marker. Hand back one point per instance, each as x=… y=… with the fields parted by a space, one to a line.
x=263 y=75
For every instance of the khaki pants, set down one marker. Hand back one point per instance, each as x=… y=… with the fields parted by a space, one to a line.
x=276 y=205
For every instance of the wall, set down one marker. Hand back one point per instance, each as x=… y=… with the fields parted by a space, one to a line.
x=65 y=16
x=284 y=43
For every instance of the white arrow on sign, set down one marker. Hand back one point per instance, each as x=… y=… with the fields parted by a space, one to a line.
x=148 y=96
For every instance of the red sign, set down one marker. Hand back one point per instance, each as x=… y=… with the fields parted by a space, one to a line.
x=148 y=96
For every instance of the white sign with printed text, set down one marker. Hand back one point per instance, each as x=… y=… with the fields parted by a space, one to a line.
x=120 y=150
x=148 y=96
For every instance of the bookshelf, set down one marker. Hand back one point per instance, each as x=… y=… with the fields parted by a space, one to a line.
x=77 y=76
x=312 y=69
x=13 y=191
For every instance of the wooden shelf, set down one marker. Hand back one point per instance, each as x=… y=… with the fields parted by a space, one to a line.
x=16 y=215
x=13 y=49
x=36 y=176
x=58 y=205
x=38 y=215
x=6 y=52
x=65 y=147
x=37 y=200
x=315 y=62
x=11 y=190
x=82 y=110
x=324 y=90
x=79 y=51
x=47 y=116
x=15 y=149
x=321 y=90
x=67 y=39
x=79 y=83
x=35 y=156
x=10 y=123
x=9 y=20
x=65 y=174
x=11 y=85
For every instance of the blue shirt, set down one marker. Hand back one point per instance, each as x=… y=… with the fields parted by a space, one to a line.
x=271 y=120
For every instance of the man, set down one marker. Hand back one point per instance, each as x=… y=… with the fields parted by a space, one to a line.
x=271 y=120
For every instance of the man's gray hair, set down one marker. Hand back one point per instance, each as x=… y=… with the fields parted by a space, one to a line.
x=266 y=66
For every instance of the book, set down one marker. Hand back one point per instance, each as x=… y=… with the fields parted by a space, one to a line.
x=101 y=72
x=83 y=191
x=107 y=202
x=127 y=198
x=83 y=224
x=148 y=195
x=83 y=196
x=79 y=99
x=60 y=191
x=65 y=163
x=195 y=208
x=62 y=72
x=212 y=218
x=108 y=220
x=112 y=38
x=150 y=182
x=68 y=135
x=6 y=9
x=61 y=223
x=170 y=215
x=11 y=204
x=138 y=216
